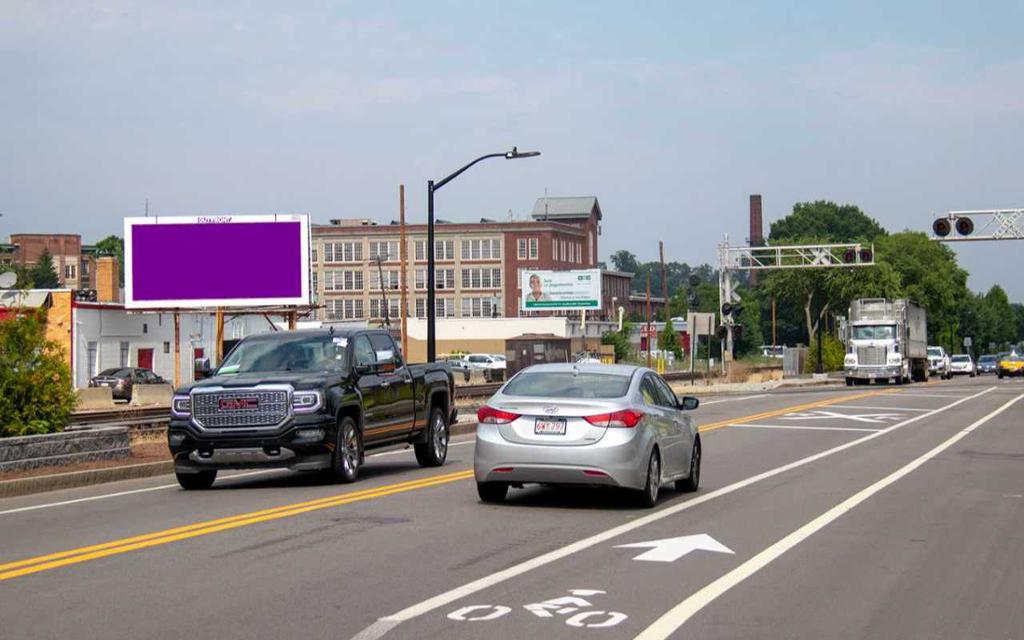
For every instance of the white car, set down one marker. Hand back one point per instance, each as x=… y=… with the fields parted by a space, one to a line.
x=962 y=365
x=483 y=361
x=938 y=362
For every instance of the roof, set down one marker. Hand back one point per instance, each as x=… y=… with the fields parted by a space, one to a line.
x=613 y=369
x=566 y=207
x=617 y=274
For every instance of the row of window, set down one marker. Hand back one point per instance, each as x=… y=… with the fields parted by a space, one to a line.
x=388 y=250
x=354 y=309
x=475 y=278
x=566 y=251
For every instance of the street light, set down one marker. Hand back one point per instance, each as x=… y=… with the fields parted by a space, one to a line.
x=432 y=186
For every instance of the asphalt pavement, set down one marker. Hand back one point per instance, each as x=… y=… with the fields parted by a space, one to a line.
x=865 y=512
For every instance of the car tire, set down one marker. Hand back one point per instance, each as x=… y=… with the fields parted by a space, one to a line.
x=692 y=483
x=348 y=452
x=434 y=451
x=197 y=481
x=648 y=496
x=492 y=492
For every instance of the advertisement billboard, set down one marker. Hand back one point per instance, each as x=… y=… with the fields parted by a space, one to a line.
x=560 y=290
x=216 y=261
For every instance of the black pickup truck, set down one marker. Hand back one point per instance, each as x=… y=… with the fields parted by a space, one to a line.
x=309 y=401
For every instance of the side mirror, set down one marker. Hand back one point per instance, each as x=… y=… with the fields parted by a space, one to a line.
x=688 y=403
x=364 y=369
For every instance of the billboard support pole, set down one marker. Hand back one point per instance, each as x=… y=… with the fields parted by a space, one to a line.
x=177 y=350
x=402 y=251
x=292 y=320
x=218 y=348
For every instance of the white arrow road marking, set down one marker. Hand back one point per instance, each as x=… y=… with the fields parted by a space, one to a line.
x=671 y=549
x=873 y=418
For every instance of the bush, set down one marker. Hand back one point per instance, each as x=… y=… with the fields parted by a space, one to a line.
x=668 y=340
x=832 y=354
x=36 y=395
x=620 y=339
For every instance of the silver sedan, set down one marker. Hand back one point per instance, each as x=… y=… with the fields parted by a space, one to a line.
x=587 y=424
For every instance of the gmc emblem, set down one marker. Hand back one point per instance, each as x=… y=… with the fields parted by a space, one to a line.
x=237 y=404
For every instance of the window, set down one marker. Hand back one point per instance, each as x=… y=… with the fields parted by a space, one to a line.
x=315 y=283
x=529 y=248
x=554 y=249
x=391 y=280
x=377 y=308
x=421 y=308
x=387 y=250
x=481 y=278
x=488 y=307
x=125 y=351
x=534 y=248
x=343 y=280
x=649 y=391
x=421 y=279
x=481 y=249
x=363 y=351
x=444 y=279
x=522 y=248
x=557 y=384
x=668 y=397
x=70 y=271
x=343 y=252
x=313 y=256
x=345 y=309
x=421 y=250
x=444 y=307
x=444 y=250
x=84 y=270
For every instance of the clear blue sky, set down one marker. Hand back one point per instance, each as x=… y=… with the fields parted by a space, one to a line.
x=671 y=113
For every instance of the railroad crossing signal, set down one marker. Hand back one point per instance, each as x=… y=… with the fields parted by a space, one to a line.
x=979 y=224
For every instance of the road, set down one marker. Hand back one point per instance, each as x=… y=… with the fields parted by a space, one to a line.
x=878 y=512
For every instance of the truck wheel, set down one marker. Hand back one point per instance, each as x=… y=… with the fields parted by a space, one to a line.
x=493 y=492
x=197 y=481
x=691 y=483
x=849 y=382
x=348 y=452
x=434 y=451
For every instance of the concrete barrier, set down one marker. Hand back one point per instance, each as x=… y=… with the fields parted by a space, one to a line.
x=92 y=398
x=151 y=394
x=51 y=449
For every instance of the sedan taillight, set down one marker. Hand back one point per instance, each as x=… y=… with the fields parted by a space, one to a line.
x=490 y=415
x=627 y=418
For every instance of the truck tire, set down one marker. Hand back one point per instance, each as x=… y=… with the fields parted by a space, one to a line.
x=849 y=382
x=197 y=481
x=493 y=492
x=348 y=452
x=434 y=451
x=691 y=483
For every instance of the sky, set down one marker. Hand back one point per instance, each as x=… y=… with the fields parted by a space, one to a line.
x=671 y=113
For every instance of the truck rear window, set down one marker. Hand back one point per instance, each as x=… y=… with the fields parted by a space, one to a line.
x=563 y=384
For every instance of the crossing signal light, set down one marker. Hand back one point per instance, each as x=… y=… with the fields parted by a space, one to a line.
x=726 y=308
x=964 y=226
x=694 y=301
x=723 y=333
x=941 y=227
x=849 y=256
x=731 y=309
x=694 y=280
x=865 y=255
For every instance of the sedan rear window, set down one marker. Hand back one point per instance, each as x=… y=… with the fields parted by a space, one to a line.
x=115 y=373
x=565 y=384
x=961 y=359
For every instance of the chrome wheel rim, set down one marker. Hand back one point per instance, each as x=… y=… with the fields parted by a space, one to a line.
x=349 y=449
x=440 y=437
x=653 y=477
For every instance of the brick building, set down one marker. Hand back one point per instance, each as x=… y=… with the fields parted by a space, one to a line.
x=477 y=264
x=74 y=262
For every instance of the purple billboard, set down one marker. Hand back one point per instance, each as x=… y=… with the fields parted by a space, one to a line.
x=216 y=261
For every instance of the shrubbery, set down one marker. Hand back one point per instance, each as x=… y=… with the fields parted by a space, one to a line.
x=832 y=354
x=36 y=395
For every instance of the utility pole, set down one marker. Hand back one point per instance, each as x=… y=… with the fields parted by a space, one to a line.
x=383 y=290
x=650 y=343
x=664 y=278
x=402 y=256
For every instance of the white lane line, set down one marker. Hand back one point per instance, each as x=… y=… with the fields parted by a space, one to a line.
x=763 y=395
x=907 y=394
x=876 y=408
x=676 y=617
x=161 y=487
x=796 y=428
x=383 y=625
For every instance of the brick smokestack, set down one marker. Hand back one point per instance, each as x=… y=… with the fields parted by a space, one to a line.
x=108 y=280
x=756 y=228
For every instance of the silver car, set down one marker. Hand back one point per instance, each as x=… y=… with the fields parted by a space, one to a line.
x=589 y=424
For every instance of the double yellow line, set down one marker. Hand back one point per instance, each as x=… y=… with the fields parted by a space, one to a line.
x=93 y=552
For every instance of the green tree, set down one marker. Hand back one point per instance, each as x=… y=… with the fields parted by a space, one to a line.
x=999 y=314
x=752 y=335
x=623 y=260
x=43 y=275
x=828 y=221
x=113 y=246
x=620 y=340
x=832 y=354
x=668 y=340
x=35 y=382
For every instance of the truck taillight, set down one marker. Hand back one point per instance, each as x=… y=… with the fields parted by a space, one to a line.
x=627 y=418
x=490 y=415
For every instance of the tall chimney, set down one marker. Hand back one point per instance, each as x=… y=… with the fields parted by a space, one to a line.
x=756 y=228
x=108 y=280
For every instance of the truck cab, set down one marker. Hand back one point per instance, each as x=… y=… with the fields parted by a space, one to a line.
x=885 y=342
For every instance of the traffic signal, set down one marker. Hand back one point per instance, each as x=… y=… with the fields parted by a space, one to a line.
x=964 y=226
x=849 y=256
x=737 y=332
x=726 y=309
x=694 y=300
x=694 y=280
x=731 y=309
x=941 y=227
x=723 y=332
x=865 y=255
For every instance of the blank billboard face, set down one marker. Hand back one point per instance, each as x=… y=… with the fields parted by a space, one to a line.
x=216 y=261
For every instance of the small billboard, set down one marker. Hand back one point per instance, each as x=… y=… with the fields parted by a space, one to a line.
x=560 y=290
x=216 y=261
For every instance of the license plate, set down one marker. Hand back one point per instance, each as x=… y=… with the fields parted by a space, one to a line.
x=549 y=427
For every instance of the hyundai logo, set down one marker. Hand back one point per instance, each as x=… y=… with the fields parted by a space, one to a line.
x=551 y=409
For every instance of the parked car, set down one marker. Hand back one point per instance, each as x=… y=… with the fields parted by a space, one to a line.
x=122 y=380
x=938 y=362
x=574 y=424
x=962 y=365
x=483 y=361
x=587 y=357
x=1011 y=365
x=988 y=363
x=312 y=400
x=459 y=367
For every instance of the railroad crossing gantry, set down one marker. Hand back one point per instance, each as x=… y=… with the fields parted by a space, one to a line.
x=979 y=224
x=799 y=256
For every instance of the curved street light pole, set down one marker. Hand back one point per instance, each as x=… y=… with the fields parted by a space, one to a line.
x=433 y=186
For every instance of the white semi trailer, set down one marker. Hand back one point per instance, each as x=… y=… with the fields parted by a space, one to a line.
x=887 y=340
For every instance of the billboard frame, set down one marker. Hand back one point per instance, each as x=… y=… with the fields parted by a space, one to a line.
x=595 y=273
x=303 y=300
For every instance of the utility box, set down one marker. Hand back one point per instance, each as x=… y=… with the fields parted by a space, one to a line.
x=535 y=348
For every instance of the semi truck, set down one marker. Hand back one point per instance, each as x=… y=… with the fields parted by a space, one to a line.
x=887 y=340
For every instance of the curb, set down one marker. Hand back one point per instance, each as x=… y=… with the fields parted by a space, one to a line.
x=53 y=482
